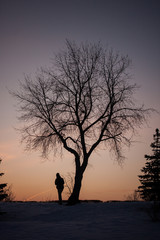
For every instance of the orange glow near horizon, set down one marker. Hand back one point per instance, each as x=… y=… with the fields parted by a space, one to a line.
x=32 y=178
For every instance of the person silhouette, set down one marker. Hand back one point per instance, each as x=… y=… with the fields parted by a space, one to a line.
x=59 y=182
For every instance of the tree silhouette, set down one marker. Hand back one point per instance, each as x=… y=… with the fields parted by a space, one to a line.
x=3 y=193
x=83 y=101
x=150 y=180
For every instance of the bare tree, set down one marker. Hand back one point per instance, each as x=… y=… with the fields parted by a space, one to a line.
x=83 y=101
x=135 y=196
x=10 y=194
x=69 y=183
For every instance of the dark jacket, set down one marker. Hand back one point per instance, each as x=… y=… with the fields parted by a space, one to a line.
x=59 y=182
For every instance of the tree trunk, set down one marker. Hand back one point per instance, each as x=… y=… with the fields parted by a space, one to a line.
x=74 y=198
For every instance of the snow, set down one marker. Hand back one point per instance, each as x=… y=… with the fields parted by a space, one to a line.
x=85 y=221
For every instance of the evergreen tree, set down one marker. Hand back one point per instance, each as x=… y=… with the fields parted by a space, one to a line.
x=150 y=180
x=3 y=195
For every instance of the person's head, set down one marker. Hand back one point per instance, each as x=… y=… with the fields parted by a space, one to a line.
x=57 y=175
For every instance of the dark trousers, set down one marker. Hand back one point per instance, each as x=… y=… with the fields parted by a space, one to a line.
x=60 y=195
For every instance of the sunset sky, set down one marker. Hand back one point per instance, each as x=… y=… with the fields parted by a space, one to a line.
x=31 y=32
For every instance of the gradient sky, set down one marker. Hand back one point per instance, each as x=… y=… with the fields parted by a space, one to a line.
x=31 y=32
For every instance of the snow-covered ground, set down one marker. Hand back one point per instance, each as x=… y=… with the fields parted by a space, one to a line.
x=108 y=221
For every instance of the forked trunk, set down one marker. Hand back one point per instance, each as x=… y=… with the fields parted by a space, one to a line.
x=74 y=198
